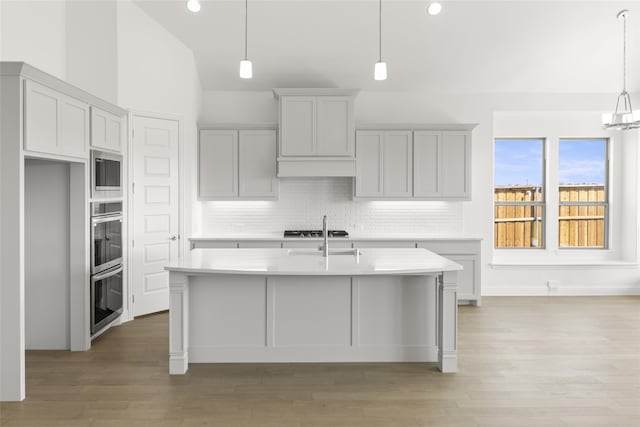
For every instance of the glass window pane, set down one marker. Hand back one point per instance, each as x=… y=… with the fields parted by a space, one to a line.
x=518 y=178
x=518 y=226
x=582 y=226
x=518 y=163
x=582 y=162
x=582 y=177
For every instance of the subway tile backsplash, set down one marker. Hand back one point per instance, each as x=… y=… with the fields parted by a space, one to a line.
x=303 y=202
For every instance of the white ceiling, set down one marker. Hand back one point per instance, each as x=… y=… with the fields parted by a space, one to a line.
x=472 y=46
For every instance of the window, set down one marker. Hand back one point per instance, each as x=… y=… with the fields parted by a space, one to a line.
x=582 y=193
x=519 y=193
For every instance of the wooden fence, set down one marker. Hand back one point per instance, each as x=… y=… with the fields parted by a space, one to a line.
x=521 y=226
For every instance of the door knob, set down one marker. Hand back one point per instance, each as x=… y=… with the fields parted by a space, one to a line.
x=173 y=238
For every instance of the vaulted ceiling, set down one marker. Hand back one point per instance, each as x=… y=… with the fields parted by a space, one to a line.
x=472 y=46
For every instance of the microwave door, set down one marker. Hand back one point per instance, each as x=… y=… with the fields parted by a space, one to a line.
x=107 y=174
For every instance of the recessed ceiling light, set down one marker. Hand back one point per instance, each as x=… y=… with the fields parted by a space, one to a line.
x=193 y=5
x=434 y=8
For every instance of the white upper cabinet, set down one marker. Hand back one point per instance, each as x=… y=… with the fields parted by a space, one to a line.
x=398 y=164
x=257 y=164
x=334 y=128
x=236 y=164
x=54 y=123
x=218 y=164
x=427 y=154
x=316 y=132
x=298 y=126
x=384 y=164
x=369 y=149
x=442 y=162
x=107 y=130
x=456 y=165
x=424 y=164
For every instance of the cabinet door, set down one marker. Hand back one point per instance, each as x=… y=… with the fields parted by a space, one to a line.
x=297 y=125
x=456 y=164
x=427 y=154
x=217 y=164
x=74 y=127
x=257 y=164
x=398 y=164
x=334 y=126
x=467 y=278
x=369 y=163
x=259 y=244
x=41 y=118
x=106 y=130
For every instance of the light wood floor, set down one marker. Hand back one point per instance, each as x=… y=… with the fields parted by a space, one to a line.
x=523 y=361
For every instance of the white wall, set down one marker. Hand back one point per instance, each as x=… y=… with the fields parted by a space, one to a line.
x=157 y=73
x=91 y=47
x=34 y=32
x=476 y=220
x=46 y=236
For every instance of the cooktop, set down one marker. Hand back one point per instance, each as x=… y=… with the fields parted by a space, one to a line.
x=315 y=233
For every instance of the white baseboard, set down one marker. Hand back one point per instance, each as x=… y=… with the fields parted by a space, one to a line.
x=563 y=290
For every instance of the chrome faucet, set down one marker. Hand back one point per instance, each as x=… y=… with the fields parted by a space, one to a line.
x=325 y=245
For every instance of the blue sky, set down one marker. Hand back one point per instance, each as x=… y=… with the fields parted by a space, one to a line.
x=519 y=161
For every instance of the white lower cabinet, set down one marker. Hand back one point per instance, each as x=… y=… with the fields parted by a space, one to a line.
x=259 y=244
x=54 y=123
x=384 y=244
x=236 y=164
x=341 y=244
x=465 y=252
x=220 y=244
x=468 y=254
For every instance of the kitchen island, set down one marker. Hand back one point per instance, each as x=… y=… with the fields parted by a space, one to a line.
x=294 y=305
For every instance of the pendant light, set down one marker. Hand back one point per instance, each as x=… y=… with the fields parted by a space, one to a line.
x=380 y=69
x=246 y=70
x=623 y=117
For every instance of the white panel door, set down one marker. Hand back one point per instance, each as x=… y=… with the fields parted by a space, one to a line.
x=155 y=210
x=298 y=126
x=456 y=165
x=398 y=164
x=257 y=164
x=333 y=126
x=427 y=153
x=369 y=163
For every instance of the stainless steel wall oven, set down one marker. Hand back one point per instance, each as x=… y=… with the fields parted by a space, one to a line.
x=106 y=263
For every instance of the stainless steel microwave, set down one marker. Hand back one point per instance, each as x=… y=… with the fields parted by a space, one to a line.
x=106 y=174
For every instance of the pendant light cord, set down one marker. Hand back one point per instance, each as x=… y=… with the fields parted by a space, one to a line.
x=624 y=53
x=246 y=13
x=380 y=30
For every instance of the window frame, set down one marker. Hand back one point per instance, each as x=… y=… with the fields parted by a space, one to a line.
x=605 y=203
x=542 y=203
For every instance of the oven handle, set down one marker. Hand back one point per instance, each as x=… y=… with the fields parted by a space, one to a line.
x=108 y=218
x=107 y=273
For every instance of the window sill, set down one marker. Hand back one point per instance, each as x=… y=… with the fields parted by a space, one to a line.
x=514 y=265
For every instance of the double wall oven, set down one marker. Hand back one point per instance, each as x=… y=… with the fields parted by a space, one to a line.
x=106 y=263
x=106 y=239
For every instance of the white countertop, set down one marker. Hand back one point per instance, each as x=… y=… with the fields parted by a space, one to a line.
x=352 y=236
x=304 y=262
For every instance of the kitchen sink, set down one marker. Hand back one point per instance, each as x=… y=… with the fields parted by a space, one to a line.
x=353 y=252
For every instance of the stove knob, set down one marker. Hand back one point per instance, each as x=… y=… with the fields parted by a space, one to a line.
x=301 y=234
